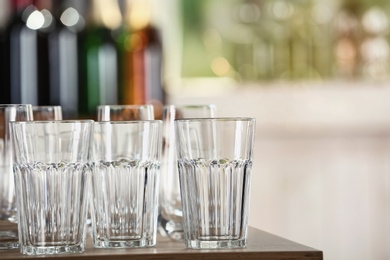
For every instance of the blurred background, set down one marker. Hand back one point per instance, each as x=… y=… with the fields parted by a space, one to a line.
x=314 y=73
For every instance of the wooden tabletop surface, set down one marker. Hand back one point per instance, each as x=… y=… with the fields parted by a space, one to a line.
x=260 y=245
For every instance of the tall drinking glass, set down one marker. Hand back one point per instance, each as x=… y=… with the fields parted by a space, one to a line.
x=43 y=113
x=8 y=227
x=125 y=112
x=51 y=167
x=170 y=210
x=215 y=161
x=107 y=113
x=126 y=162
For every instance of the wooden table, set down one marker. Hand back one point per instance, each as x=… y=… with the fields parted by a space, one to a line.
x=261 y=245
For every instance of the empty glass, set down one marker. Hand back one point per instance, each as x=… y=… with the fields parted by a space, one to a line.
x=126 y=162
x=122 y=113
x=170 y=210
x=8 y=227
x=51 y=169
x=215 y=161
x=125 y=112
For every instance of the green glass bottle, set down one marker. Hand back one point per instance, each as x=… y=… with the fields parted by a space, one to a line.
x=99 y=62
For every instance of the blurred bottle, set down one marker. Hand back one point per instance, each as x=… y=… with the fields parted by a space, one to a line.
x=59 y=40
x=21 y=45
x=5 y=97
x=301 y=41
x=48 y=24
x=348 y=34
x=142 y=52
x=375 y=47
x=99 y=57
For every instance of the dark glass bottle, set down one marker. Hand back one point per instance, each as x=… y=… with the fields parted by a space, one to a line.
x=22 y=57
x=99 y=58
x=44 y=63
x=5 y=97
x=60 y=40
x=142 y=58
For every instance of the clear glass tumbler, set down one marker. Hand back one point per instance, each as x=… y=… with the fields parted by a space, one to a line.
x=8 y=227
x=215 y=161
x=51 y=167
x=122 y=113
x=125 y=112
x=170 y=210
x=126 y=166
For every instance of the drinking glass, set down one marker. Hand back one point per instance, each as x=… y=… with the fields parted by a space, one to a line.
x=122 y=113
x=215 y=161
x=51 y=167
x=126 y=162
x=170 y=210
x=43 y=113
x=8 y=227
x=125 y=112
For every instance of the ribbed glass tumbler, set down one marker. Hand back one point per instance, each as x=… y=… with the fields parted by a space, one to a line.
x=51 y=169
x=126 y=165
x=215 y=161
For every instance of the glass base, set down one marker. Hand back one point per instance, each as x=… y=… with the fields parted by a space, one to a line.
x=123 y=243
x=8 y=235
x=9 y=245
x=8 y=240
x=52 y=250
x=8 y=218
x=171 y=229
x=213 y=244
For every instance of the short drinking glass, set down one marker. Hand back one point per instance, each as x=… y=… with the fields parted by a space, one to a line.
x=215 y=161
x=50 y=168
x=126 y=163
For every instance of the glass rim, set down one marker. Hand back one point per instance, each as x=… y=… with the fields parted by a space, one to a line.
x=45 y=106
x=191 y=106
x=15 y=105
x=219 y=119
x=31 y=122
x=128 y=122
x=125 y=106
